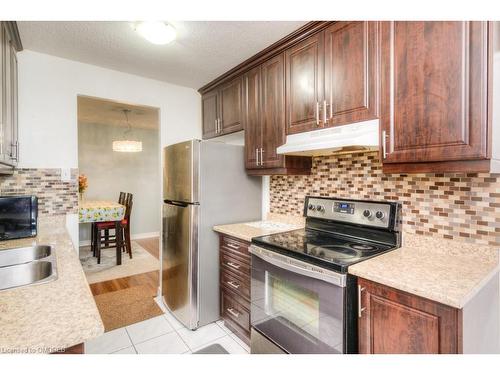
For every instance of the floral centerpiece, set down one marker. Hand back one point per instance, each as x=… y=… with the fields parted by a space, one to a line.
x=82 y=185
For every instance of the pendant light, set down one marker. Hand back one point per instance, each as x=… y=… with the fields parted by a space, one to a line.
x=127 y=145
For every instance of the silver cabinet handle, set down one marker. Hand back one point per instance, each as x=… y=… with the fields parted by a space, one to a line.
x=232 y=265
x=232 y=246
x=384 y=144
x=16 y=147
x=231 y=311
x=233 y=284
x=317 y=113
x=216 y=126
x=360 y=309
x=220 y=125
x=261 y=156
x=257 y=156
x=324 y=113
x=331 y=109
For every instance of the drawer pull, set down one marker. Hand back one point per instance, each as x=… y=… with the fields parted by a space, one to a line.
x=231 y=311
x=232 y=265
x=233 y=284
x=232 y=246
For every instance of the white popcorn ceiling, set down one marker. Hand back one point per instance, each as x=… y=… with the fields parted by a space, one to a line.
x=202 y=51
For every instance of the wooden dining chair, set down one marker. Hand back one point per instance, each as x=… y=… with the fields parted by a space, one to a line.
x=104 y=240
x=121 y=200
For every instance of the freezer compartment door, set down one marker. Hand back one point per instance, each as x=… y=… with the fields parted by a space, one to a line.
x=181 y=172
x=180 y=261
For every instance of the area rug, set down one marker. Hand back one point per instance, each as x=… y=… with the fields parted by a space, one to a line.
x=142 y=261
x=127 y=306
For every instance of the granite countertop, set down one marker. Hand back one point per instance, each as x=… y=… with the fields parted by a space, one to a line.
x=56 y=315
x=274 y=223
x=445 y=271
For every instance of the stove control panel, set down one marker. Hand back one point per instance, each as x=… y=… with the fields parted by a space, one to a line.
x=367 y=213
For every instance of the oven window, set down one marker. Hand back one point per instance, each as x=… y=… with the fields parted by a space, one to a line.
x=297 y=306
x=299 y=313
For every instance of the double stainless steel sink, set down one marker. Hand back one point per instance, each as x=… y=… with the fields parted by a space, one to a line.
x=27 y=266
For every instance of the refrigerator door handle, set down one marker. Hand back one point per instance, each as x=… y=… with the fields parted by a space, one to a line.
x=177 y=203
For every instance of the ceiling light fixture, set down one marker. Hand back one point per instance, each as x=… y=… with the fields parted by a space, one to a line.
x=127 y=145
x=156 y=32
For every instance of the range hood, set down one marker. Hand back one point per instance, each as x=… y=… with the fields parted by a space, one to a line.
x=351 y=138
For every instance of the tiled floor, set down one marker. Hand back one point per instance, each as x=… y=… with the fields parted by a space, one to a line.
x=164 y=335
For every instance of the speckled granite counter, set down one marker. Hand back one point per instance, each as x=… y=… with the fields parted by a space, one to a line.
x=274 y=223
x=47 y=317
x=449 y=272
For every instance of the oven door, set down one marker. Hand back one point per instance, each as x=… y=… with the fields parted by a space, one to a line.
x=297 y=306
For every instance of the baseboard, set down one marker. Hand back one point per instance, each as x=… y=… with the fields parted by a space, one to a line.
x=136 y=236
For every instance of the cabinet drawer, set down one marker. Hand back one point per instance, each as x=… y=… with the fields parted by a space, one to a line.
x=235 y=246
x=233 y=310
x=236 y=265
x=237 y=284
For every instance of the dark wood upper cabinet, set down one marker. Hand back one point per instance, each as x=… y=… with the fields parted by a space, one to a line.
x=222 y=109
x=395 y=322
x=209 y=103
x=264 y=121
x=304 y=84
x=273 y=111
x=434 y=100
x=230 y=107
x=351 y=72
x=252 y=117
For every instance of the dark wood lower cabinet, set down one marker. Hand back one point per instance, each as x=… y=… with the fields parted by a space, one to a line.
x=395 y=322
x=235 y=286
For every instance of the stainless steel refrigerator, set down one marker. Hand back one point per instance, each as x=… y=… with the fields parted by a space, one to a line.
x=204 y=184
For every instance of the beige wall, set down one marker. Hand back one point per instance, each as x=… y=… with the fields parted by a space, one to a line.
x=110 y=172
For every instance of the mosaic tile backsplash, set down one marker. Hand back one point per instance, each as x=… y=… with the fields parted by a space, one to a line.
x=55 y=197
x=456 y=206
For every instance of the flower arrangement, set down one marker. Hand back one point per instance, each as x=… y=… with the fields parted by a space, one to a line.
x=82 y=183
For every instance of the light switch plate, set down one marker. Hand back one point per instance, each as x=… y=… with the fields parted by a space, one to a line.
x=65 y=174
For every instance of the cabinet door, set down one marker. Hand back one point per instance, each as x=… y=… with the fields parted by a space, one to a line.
x=273 y=111
x=13 y=147
x=304 y=84
x=7 y=97
x=351 y=69
x=209 y=103
x=252 y=117
x=230 y=106
x=395 y=322
x=434 y=91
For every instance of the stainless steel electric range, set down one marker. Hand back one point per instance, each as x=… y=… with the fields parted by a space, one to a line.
x=302 y=298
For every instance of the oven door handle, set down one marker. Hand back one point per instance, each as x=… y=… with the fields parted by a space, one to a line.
x=299 y=267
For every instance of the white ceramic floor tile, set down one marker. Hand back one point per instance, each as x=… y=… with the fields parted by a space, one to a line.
x=170 y=343
x=173 y=321
x=240 y=342
x=202 y=336
x=148 y=329
x=227 y=343
x=110 y=342
x=129 y=350
x=221 y=324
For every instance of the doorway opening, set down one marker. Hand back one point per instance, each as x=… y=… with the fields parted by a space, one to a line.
x=119 y=210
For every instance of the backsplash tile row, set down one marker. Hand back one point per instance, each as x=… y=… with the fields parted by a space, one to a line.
x=455 y=206
x=55 y=197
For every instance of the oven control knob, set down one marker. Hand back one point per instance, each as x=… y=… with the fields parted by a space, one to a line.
x=379 y=215
x=367 y=214
x=320 y=208
x=312 y=207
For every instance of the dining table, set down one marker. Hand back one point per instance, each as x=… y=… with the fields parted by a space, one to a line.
x=95 y=211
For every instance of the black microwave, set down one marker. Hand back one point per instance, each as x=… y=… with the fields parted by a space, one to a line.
x=18 y=217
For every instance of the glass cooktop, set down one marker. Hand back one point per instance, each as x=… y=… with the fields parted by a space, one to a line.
x=326 y=249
